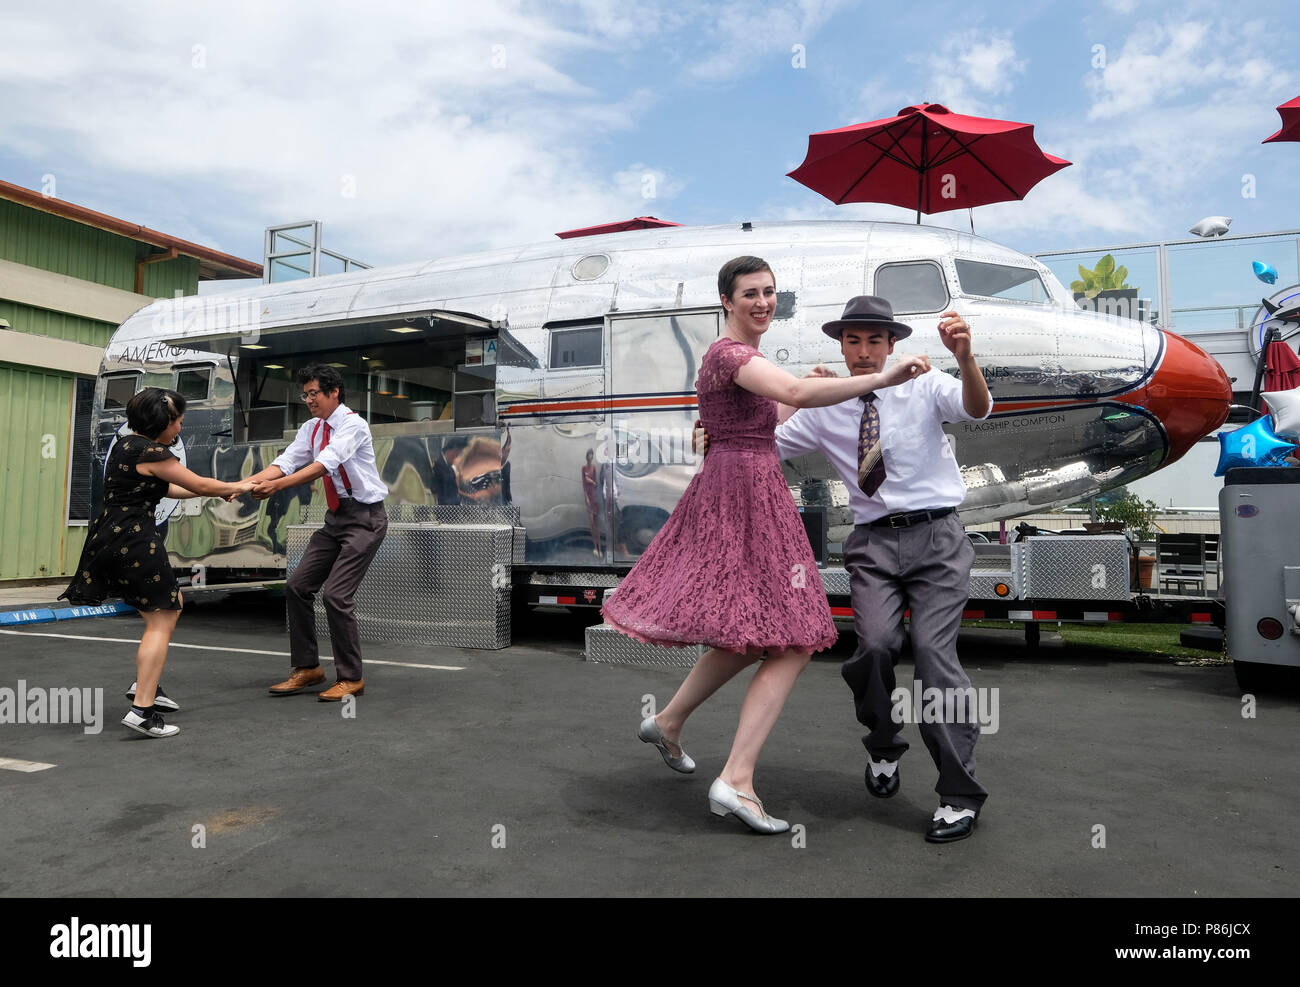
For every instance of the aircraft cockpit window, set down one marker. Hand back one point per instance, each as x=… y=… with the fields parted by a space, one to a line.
x=579 y=347
x=590 y=267
x=1017 y=284
x=194 y=383
x=913 y=286
x=118 y=390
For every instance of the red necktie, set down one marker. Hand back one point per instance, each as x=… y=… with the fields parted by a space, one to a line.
x=331 y=494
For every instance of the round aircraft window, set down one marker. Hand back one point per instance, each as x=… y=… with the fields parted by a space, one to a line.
x=591 y=266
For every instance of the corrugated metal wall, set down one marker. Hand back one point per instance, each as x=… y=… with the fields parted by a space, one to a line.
x=43 y=322
x=35 y=417
x=36 y=404
x=53 y=243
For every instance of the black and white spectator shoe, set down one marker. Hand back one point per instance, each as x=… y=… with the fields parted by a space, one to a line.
x=151 y=725
x=160 y=699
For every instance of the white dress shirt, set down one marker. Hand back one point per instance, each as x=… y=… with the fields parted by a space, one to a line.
x=921 y=471
x=349 y=446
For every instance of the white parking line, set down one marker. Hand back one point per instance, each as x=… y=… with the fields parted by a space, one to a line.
x=244 y=651
x=13 y=764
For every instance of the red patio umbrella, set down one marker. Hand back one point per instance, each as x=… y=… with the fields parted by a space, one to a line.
x=639 y=223
x=1290 y=113
x=1283 y=371
x=929 y=158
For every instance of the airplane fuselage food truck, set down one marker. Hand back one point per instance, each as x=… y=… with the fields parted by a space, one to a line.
x=554 y=384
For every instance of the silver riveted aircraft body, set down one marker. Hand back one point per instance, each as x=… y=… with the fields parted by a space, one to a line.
x=554 y=384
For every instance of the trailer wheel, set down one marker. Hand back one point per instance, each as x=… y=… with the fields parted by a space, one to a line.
x=1032 y=635
x=1253 y=676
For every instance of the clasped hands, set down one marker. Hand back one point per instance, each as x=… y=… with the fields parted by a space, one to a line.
x=260 y=489
x=905 y=369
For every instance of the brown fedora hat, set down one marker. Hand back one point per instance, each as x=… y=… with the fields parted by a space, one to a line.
x=867 y=312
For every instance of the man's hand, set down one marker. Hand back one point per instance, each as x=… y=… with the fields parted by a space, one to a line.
x=955 y=334
x=699 y=439
x=821 y=371
x=263 y=489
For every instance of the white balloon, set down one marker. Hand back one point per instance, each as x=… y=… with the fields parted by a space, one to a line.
x=1212 y=226
x=1285 y=406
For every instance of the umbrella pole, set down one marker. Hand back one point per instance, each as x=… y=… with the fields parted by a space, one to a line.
x=920 y=172
x=1255 y=405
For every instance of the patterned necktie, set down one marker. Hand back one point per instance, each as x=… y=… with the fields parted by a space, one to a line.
x=871 y=460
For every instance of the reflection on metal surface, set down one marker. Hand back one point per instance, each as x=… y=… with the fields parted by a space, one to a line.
x=444 y=585
x=593 y=458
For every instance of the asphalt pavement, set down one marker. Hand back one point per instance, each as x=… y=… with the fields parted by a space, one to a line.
x=517 y=772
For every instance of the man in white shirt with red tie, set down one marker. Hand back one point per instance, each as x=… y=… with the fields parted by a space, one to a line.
x=908 y=549
x=334 y=444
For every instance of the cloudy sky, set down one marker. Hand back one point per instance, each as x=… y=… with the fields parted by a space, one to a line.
x=421 y=129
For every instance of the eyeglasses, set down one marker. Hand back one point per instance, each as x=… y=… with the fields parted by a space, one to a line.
x=308 y=395
x=483 y=481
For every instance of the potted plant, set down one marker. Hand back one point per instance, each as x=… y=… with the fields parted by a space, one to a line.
x=1105 y=289
x=1139 y=518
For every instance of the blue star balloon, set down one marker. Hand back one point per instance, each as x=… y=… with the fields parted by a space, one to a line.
x=1253 y=445
x=1265 y=272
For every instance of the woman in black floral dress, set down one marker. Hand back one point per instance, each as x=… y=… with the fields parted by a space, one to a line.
x=124 y=554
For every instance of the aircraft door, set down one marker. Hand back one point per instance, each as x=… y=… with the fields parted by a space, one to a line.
x=645 y=467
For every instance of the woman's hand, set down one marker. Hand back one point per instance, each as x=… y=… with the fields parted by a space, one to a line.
x=237 y=490
x=908 y=368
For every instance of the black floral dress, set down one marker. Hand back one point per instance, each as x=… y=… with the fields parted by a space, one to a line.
x=124 y=555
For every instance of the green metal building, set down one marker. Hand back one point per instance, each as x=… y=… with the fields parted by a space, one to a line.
x=68 y=277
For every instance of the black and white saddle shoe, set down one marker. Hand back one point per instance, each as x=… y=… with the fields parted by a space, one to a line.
x=951 y=824
x=160 y=699
x=151 y=725
x=882 y=778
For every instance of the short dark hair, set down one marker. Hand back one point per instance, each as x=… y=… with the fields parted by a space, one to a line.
x=327 y=377
x=736 y=267
x=152 y=410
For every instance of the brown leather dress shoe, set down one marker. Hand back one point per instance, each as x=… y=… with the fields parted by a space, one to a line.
x=340 y=689
x=298 y=680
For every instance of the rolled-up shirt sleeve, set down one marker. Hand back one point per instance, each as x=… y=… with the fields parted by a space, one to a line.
x=343 y=445
x=797 y=436
x=949 y=396
x=297 y=455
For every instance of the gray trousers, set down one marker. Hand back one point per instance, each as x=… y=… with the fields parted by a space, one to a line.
x=924 y=568
x=336 y=560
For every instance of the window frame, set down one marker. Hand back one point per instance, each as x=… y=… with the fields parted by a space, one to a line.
x=943 y=280
x=1048 y=298
x=108 y=379
x=561 y=328
x=193 y=368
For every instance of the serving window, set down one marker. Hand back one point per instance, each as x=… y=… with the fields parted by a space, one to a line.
x=424 y=379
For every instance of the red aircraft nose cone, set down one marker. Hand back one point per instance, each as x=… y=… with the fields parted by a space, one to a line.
x=1189 y=393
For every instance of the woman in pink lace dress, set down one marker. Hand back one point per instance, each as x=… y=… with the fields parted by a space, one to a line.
x=732 y=567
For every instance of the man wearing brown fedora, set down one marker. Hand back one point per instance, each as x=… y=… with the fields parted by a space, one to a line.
x=908 y=550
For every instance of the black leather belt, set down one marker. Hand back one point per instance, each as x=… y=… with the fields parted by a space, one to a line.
x=910 y=518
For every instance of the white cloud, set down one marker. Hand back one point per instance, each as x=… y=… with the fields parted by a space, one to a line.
x=451 y=125
x=651 y=187
x=970 y=69
x=741 y=36
x=1160 y=63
